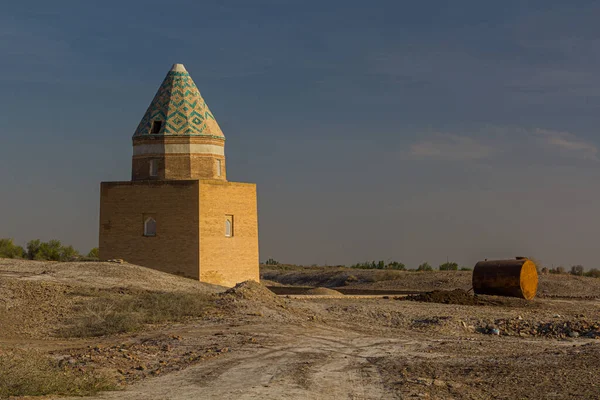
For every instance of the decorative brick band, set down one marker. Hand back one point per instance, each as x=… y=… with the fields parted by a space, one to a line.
x=178 y=149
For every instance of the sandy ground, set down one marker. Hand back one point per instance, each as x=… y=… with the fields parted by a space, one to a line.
x=259 y=346
x=424 y=351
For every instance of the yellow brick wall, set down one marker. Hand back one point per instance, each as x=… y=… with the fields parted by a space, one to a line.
x=178 y=166
x=183 y=166
x=228 y=260
x=175 y=248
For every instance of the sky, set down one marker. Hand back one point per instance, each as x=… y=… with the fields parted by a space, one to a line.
x=385 y=130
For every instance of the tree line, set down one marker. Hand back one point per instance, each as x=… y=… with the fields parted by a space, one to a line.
x=52 y=250
x=395 y=265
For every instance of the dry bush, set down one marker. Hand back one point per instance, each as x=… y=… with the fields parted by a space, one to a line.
x=594 y=273
x=157 y=307
x=110 y=313
x=29 y=373
x=102 y=316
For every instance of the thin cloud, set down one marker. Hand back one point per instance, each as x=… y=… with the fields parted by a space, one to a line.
x=546 y=144
x=450 y=147
x=568 y=144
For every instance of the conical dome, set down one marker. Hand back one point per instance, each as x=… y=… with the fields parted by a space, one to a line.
x=178 y=109
x=178 y=138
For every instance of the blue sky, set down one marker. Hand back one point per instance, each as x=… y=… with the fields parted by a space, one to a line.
x=399 y=130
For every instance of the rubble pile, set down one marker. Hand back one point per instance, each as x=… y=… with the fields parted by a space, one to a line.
x=554 y=329
x=253 y=291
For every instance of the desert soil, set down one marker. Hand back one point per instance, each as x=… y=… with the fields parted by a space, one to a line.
x=256 y=345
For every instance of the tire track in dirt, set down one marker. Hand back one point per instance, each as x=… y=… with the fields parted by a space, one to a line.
x=302 y=364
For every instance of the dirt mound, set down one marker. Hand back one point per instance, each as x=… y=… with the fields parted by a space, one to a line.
x=456 y=296
x=321 y=291
x=38 y=297
x=253 y=291
x=99 y=275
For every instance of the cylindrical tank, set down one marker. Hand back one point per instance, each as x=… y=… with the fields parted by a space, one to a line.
x=514 y=278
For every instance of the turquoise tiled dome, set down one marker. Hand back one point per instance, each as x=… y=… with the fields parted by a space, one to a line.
x=178 y=109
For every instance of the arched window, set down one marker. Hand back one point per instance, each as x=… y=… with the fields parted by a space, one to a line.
x=153 y=168
x=150 y=227
x=219 y=168
x=227 y=228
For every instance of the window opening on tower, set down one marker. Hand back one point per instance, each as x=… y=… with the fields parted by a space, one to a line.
x=156 y=125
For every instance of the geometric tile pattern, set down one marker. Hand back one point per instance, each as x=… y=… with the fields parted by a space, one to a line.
x=181 y=108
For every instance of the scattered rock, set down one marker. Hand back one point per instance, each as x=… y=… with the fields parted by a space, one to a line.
x=554 y=329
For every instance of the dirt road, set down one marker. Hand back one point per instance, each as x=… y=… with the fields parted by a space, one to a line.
x=298 y=363
x=323 y=362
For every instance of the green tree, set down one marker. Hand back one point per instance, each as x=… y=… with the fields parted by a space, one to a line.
x=94 y=253
x=68 y=253
x=10 y=250
x=577 y=270
x=425 y=267
x=396 y=265
x=52 y=250
x=33 y=247
x=449 y=266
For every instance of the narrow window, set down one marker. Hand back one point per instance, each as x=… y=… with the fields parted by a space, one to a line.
x=156 y=125
x=218 y=167
x=229 y=225
x=150 y=227
x=153 y=167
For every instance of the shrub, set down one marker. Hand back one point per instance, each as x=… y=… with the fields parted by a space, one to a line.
x=110 y=313
x=577 y=270
x=395 y=265
x=30 y=373
x=94 y=253
x=557 y=270
x=449 y=266
x=593 y=273
x=271 y=261
x=466 y=269
x=103 y=317
x=425 y=267
x=10 y=250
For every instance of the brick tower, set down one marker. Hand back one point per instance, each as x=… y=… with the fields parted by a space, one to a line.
x=179 y=214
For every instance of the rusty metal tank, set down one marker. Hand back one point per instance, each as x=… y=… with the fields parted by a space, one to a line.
x=514 y=278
